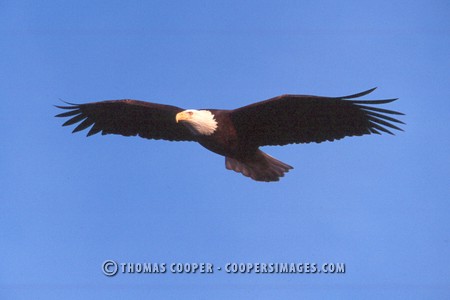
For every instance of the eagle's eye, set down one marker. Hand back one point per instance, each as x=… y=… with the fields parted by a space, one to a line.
x=190 y=113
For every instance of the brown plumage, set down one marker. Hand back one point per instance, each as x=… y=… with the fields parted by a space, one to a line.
x=238 y=134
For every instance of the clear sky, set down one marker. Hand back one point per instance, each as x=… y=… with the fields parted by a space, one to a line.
x=379 y=204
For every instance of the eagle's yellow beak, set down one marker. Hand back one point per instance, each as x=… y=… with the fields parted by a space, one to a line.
x=182 y=116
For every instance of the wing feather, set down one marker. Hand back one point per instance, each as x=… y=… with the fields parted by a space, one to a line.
x=74 y=120
x=381 y=116
x=69 y=113
x=83 y=125
x=127 y=118
x=290 y=119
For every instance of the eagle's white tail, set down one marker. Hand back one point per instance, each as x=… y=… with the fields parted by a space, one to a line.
x=261 y=167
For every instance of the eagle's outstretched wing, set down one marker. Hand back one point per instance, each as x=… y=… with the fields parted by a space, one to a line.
x=290 y=119
x=128 y=118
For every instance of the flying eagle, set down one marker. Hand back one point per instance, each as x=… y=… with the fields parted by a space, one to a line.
x=237 y=134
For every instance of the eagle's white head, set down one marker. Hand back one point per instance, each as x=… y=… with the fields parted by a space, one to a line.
x=199 y=122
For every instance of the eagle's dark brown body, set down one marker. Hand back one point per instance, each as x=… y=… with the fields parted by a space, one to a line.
x=224 y=140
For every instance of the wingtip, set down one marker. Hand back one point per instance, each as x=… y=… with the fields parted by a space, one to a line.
x=70 y=103
x=361 y=94
x=371 y=90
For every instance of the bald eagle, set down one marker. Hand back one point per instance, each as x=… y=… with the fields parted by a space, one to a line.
x=237 y=134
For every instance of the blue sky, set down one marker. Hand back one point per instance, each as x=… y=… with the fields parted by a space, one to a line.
x=379 y=204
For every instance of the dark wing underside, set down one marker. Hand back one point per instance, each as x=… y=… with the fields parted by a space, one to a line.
x=128 y=118
x=303 y=119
